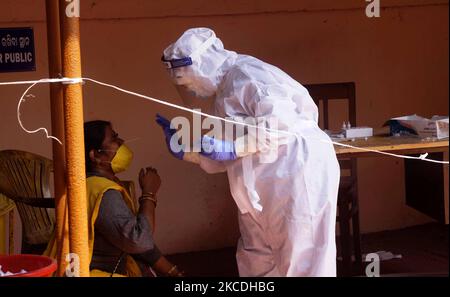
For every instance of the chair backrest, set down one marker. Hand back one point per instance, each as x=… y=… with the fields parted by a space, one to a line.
x=26 y=175
x=322 y=94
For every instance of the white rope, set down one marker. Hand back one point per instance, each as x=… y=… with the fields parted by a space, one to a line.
x=422 y=157
x=65 y=80
x=44 y=81
x=22 y=99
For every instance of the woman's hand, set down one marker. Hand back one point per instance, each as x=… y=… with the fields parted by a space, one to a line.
x=164 y=268
x=149 y=180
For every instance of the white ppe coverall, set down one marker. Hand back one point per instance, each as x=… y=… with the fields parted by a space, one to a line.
x=287 y=202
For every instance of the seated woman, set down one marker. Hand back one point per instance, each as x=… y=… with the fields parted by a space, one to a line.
x=120 y=236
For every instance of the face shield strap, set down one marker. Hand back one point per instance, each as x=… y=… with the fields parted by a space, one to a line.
x=200 y=50
x=176 y=63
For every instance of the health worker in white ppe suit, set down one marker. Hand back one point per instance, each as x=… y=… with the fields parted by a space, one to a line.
x=286 y=189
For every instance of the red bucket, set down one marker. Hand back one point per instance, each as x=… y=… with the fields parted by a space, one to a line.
x=35 y=265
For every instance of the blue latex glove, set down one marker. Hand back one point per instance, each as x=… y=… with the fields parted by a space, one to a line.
x=216 y=149
x=168 y=133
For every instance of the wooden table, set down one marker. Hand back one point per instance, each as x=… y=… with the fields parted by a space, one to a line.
x=417 y=173
x=391 y=144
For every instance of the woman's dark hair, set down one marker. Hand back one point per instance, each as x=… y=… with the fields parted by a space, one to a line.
x=94 y=134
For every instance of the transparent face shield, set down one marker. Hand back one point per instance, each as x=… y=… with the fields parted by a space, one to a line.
x=194 y=90
x=191 y=100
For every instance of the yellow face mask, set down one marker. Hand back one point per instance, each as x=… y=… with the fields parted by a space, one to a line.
x=122 y=159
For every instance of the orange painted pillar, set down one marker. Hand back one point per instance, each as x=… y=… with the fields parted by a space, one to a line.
x=57 y=112
x=74 y=138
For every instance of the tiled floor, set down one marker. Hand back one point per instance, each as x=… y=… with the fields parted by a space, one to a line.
x=424 y=251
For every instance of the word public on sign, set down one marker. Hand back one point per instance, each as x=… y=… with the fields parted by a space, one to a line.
x=17 y=50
